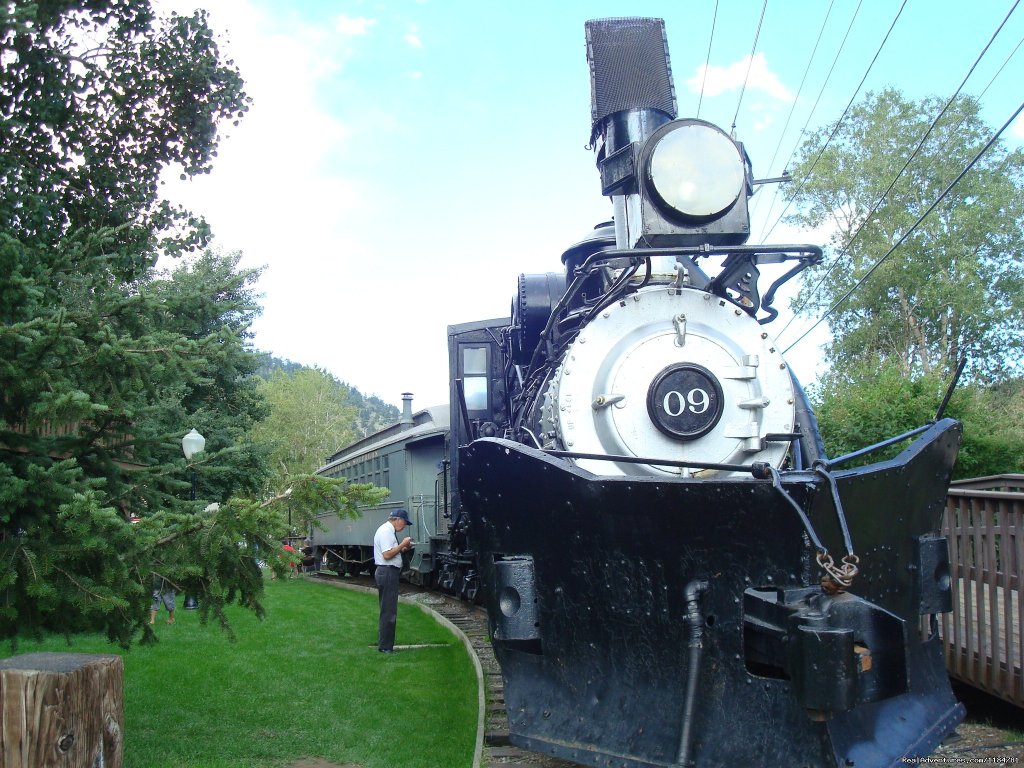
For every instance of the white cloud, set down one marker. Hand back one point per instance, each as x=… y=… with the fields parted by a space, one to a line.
x=1018 y=127
x=764 y=115
x=276 y=192
x=716 y=80
x=413 y=40
x=348 y=25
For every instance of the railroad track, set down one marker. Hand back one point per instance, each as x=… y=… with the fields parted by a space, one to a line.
x=971 y=742
x=472 y=622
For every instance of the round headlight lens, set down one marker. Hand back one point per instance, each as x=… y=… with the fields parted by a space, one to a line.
x=697 y=171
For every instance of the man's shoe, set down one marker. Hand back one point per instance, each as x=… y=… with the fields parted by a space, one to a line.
x=385 y=650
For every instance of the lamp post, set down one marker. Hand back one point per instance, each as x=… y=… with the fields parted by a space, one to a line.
x=191 y=444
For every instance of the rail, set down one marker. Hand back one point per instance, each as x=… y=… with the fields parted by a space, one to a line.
x=984 y=635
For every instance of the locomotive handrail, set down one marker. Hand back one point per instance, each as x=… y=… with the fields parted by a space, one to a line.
x=831 y=463
x=807 y=254
x=706 y=250
x=758 y=469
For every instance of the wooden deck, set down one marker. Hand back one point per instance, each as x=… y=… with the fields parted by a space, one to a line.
x=984 y=637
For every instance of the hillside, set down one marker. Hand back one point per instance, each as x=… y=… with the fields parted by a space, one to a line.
x=373 y=413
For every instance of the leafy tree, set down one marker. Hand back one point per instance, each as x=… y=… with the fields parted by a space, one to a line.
x=310 y=417
x=105 y=363
x=955 y=288
x=228 y=538
x=374 y=413
x=98 y=97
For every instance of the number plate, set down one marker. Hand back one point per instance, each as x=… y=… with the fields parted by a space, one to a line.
x=685 y=401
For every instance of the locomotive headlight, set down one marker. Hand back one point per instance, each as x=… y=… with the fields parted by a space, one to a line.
x=694 y=169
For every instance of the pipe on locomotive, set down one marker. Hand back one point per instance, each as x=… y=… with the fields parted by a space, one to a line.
x=695 y=623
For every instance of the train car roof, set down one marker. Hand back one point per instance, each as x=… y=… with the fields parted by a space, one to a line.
x=427 y=423
x=477 y=325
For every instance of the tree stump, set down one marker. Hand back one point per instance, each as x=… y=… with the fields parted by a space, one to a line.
x=62 y=710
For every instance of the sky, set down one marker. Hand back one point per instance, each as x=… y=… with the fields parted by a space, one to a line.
x=404 y=161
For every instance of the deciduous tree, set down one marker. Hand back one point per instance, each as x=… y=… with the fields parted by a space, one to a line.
x=310 y=418
x=955 y=288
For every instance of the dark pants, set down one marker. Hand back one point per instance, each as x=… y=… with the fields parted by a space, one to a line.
x=386 y=577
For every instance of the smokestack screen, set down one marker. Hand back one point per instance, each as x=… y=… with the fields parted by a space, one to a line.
x=629 y=67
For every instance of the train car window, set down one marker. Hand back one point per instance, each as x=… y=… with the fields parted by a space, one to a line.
x=474 y=377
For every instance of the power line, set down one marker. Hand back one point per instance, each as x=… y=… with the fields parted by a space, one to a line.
x=796 y=99
x=750 y=62
x=987 y=85
x=803 y=130
x=707 y=61
x=935 y=121
x=912 y=229
x=860 y=85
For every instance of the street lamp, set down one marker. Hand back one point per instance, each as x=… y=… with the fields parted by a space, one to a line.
x=191 y=444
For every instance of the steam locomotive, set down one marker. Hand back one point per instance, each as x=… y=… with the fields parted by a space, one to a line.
x=675 y=571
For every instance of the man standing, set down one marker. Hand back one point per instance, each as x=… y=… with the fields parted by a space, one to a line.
x=387 y=556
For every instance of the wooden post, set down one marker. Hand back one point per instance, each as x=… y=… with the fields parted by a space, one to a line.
x=62 y=710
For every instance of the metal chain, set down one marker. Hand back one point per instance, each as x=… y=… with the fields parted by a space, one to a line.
x=837 y=578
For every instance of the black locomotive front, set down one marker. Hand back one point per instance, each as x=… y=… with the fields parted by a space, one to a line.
x=675 y=572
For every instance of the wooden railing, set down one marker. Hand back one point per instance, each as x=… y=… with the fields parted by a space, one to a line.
x=984 y=636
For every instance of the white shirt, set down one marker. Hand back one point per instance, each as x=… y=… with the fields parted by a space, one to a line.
x=384 y=539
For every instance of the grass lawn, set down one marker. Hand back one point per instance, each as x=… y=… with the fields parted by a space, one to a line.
x=305 y=682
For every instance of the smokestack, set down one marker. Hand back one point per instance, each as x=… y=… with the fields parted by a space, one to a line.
x=631 y=96
x=631 y=90
x=406 y=410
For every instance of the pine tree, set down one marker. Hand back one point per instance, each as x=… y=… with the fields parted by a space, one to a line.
x=105 y=363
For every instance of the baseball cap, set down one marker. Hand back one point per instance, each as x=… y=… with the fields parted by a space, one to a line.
x=401 y=514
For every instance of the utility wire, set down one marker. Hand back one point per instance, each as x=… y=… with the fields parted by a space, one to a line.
x=999 y=71
x=750 y=62
x=796 y=99
x=707 y=61
x=803 y=131
x=842 y=117
x=935 y=121
x=912 y=229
